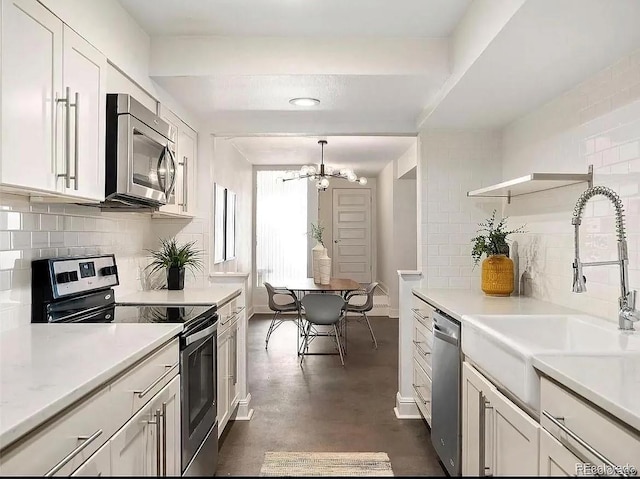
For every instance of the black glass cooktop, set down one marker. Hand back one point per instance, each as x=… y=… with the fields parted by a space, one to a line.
x=160 y=314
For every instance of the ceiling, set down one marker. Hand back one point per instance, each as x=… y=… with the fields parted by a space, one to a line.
x=547 y=48
x=367 y=155
x=293 y=18
x=379 y=67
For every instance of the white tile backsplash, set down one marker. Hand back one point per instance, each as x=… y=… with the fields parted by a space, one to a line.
x=598 y=123
x=32 y=231
x=453 y=162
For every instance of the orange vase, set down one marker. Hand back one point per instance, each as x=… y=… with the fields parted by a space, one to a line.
x=497 y=275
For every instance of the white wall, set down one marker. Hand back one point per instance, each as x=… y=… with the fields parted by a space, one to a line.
x=232 y=170
x=597 y=122
x=451 y=163
x=396 y=225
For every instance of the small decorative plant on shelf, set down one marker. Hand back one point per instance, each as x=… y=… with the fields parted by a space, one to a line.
x=175 y=258
x=497 y=268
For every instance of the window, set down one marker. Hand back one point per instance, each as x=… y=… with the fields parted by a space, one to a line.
x=281 y=228
x=224 y=224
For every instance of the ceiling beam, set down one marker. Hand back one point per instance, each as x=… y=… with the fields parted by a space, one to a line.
x=210 y=56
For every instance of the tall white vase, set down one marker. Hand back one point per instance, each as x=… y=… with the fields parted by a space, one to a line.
x=316 y=253
x=325 y=268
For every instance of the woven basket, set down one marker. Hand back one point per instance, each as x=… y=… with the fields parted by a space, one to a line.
x=497 y=275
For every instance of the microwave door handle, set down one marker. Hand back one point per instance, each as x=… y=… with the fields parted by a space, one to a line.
x=161 y=161
x=174 y=172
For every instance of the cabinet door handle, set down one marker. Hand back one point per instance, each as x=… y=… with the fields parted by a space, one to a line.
x=158 y=451
x=76 y=142
x=482 y=447
x=143 y=393
x=67 y=138
x=419 y=348
x=415 y=388
x=87 y=440
x=557 y=422
x=185 y=182
x=164 y=439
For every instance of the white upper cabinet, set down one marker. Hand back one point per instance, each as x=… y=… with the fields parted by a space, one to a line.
x=50 y=142
x=84 y=73
x=31 y=83
x=181 y=203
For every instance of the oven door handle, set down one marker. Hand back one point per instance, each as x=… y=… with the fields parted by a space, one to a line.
x=200 y=334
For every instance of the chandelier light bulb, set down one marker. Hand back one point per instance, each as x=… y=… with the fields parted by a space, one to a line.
x=311 y=169
x=352 y=177
x=344 y=172
x=362 y=181
x=312 y=178
x=329 y=170
x=304 y=170
x=324 y=183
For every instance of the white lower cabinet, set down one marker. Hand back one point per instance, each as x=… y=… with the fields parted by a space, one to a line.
x=97 y=465
x=555 y=459
x=228 y=390
x=129 y=427
x=149 y=444
x=498 y=438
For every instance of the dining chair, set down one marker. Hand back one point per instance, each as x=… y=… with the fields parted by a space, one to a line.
x=291 y=306
x=364 y=308
x=323 y=310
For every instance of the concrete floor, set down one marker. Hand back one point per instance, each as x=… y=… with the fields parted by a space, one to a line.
x=324 y=407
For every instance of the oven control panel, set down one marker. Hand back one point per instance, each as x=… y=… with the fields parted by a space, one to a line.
x=71 y=276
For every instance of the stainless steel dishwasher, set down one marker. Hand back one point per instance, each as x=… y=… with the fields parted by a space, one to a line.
x=445 y=407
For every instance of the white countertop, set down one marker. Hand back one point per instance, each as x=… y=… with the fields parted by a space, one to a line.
x=44 y=368
x=213 y=296
x=460 y=302
x=609 y=381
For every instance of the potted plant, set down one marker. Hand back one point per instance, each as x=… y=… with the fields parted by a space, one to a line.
x=497 y=268
x=318 y=251
x=175 y=258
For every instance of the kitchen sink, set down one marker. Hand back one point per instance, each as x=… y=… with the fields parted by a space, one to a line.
x=504 y=345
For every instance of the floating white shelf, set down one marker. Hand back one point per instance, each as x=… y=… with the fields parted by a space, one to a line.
x=532 y=183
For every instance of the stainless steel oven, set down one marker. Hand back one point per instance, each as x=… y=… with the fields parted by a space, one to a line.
x=140 y=154
x=198 y=348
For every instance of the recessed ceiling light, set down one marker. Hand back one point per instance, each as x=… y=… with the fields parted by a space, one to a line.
x=304 y=101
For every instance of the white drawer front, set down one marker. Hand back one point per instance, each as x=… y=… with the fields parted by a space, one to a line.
x=136 y=387
x=422 y=315
x=422 y=347
x=422 y=390
x=51 y=443
x=616 y=442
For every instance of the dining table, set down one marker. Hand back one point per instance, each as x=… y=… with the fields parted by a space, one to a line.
x=302 y=286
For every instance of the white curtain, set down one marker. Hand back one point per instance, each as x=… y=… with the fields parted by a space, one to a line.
x=281 y=228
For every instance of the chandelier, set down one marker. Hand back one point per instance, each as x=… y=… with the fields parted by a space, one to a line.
x=322 y=174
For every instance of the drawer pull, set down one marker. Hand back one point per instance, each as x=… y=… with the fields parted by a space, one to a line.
x=420 y=318
x=415 y=388
x=87 y=440
x=557 y=422
x=419 y=348
x=143 y=393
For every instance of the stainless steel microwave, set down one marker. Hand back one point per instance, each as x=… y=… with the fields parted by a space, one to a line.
x=140 y=154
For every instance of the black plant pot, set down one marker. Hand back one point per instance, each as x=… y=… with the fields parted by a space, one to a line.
x=175 y=278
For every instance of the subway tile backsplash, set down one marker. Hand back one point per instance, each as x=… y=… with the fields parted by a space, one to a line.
x=30 y=231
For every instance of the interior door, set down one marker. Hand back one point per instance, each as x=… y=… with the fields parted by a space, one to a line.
x=352 y=234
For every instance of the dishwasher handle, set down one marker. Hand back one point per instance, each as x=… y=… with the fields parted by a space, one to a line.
x=440 y=334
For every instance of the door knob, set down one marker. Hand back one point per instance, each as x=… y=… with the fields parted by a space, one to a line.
x=335 y=241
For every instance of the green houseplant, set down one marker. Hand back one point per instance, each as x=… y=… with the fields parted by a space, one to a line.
x=316 y=233
x=497 y=268
x=175 y=258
